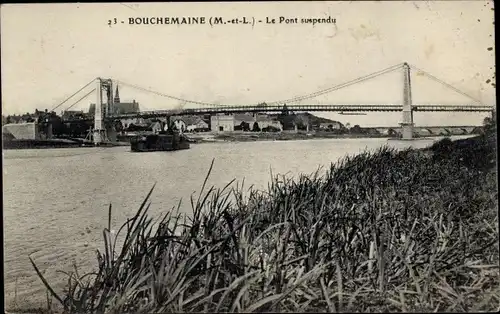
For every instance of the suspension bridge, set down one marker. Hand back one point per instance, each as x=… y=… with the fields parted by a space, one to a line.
x=104 y=109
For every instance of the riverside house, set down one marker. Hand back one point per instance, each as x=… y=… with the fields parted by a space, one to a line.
x=191 y=123
x=232 y=122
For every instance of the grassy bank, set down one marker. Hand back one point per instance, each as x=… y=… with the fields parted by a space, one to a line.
x=380 y=231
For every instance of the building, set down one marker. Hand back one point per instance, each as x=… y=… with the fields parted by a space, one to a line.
x=195 y=124
x=240 y=118
x=135 y=121
x=73 y=114
x=264 y=121
x=118 y=106
x=191 y=123
x=222 y=123
x=124 y=107
x=232 y=122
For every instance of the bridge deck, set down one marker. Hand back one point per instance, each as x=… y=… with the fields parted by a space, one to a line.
x=311 y=108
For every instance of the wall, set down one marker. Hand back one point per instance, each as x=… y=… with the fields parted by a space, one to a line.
x=226 y=122
x=126 y=107
x=27 y=131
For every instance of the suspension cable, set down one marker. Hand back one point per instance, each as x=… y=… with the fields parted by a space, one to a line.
x=315 y=94
x=72 y=96
x=337 y=87
x=81 y=99
x=446 y=84
x=340 y=86
x=165 y=95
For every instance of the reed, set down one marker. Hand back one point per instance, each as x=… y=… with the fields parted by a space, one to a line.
x=380 y=231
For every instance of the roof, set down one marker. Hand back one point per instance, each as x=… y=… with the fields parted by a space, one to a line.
x=243 y=117
x=190 y=120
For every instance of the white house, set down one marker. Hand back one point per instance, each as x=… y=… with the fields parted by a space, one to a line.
x=199 y=125
x=179 y=125
x=136 y=121
x=263 y=121
x=222 y=123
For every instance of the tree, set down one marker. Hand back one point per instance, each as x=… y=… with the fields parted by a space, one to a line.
x=490 y=123
x=118 y=126
x=244 y=126
x=255 y=127
x=487 y=121
x=356 y=129
x=270 y=128
x=284 y=112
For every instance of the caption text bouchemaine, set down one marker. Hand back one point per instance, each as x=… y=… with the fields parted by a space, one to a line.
x=221 y=21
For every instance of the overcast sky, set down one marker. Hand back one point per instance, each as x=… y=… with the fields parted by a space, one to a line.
x=49 y=51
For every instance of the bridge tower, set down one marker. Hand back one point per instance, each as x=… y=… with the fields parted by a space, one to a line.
x=102 y=109
x=407 y=124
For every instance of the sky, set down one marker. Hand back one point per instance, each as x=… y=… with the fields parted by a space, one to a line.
x=50 y=51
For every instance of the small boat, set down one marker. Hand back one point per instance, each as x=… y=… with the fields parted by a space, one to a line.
x=162 y=141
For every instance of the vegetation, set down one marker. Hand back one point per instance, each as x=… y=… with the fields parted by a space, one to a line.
x=380 y=231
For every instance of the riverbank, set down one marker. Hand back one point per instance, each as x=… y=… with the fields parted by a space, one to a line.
x=55 y=143
x=387 y=230
x=281 y=136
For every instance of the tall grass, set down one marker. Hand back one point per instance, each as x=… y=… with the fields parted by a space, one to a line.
x=380 y=231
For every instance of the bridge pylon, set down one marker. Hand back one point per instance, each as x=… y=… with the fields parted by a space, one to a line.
x=101 y=109
x=407 y=124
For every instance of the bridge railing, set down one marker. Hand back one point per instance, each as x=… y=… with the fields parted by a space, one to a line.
x=476 y=108
x=305 y=107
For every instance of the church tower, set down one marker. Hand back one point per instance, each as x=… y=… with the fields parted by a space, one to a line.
x=117 y=95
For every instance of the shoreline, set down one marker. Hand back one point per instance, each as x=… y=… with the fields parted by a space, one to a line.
x=207 y=138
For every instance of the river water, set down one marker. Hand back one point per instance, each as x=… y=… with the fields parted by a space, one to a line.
x=56 y=200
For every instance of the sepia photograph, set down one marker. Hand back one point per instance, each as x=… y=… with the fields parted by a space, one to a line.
x=284 y=156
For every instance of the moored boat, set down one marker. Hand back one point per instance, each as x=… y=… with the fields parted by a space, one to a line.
x=159 y=142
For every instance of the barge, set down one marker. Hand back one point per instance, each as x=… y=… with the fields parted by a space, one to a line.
x=159 y=142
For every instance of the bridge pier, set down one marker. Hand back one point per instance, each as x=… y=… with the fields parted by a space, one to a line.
x=407 y=124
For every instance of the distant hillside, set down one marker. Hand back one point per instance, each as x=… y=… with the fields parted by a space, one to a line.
x=317 y=120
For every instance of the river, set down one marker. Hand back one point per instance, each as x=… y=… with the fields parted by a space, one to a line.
x=56 y=200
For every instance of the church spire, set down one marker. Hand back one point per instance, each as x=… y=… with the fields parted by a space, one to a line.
x=117 y=95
